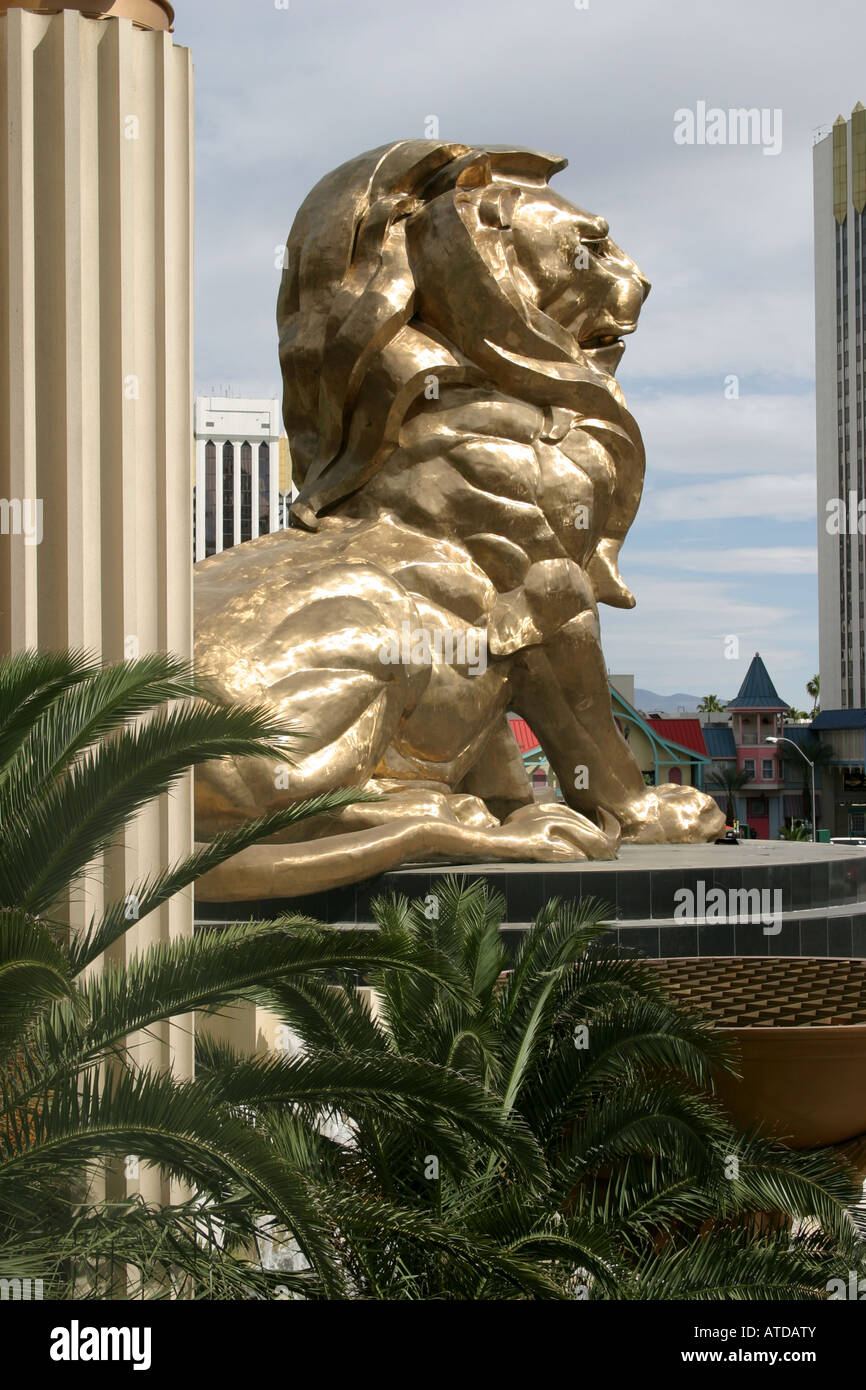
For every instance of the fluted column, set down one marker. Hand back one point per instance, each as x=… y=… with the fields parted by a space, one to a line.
x=96 y=374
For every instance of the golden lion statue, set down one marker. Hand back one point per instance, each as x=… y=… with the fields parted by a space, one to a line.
x=449 y=332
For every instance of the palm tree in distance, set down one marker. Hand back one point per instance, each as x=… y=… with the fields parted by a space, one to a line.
x=730 y=780
x=819 y=754
x=711 y=704
x=813 y=688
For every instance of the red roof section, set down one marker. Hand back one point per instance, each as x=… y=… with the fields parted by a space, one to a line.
x=526 y=739
x=686 y=732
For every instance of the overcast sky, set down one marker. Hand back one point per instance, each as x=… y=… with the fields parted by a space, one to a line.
x=725 y=540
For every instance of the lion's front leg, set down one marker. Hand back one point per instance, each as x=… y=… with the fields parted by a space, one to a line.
x=562 y=687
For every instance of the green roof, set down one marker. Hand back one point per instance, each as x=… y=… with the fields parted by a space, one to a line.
x=757 y=690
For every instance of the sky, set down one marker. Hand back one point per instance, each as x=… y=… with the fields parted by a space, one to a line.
x=720 y=375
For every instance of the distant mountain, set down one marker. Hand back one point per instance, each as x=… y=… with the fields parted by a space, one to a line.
x=667 y=704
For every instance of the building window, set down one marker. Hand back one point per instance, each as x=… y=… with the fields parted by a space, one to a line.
x=246 y=492
x=210 y=498
x=264 y=489
x=676 y=776
x=767 y=772
x=749 y=768
x=228 y=495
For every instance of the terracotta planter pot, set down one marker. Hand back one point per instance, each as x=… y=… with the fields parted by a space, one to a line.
x=800 y=1026
x=147 y=14
x=808 y=1084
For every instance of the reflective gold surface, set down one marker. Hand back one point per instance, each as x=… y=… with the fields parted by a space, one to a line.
x=449 y=332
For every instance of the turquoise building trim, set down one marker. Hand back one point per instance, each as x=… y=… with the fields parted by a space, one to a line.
x=666 y=753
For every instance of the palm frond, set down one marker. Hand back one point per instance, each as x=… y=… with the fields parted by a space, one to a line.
x=151 y=893
x=34 y=970
x=47 y=845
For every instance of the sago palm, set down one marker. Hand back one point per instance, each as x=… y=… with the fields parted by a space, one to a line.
x=644 y=1191
x=82 y=749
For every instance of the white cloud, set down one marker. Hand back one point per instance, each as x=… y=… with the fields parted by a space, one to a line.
x=706 y=433
x=679 y=633
x=725 y=323
x=756 y=495
x=777 y=559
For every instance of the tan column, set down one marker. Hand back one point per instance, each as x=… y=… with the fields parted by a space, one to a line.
x=96 y=374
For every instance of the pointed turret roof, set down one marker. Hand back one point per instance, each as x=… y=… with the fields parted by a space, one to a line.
x=757 y=691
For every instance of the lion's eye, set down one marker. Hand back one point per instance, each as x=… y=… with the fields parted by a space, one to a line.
x=586 y=250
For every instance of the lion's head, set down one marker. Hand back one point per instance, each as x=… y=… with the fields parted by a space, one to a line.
x=426 y=257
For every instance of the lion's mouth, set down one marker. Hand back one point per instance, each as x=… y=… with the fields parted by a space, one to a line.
x=605 y=349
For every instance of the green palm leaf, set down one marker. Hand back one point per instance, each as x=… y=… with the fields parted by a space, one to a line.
x=34 y=970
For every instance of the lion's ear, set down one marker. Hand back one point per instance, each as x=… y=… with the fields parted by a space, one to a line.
x=470 y=170
x=476 y=173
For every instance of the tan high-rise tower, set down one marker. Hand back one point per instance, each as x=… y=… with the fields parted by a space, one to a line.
x=839 y=160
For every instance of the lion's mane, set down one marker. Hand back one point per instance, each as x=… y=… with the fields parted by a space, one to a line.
x=398 y=266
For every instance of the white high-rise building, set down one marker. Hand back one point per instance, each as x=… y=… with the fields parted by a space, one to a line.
x=237 y=471
x=840 y=304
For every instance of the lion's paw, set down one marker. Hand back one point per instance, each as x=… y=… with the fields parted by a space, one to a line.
x=548 y=831
x=671 y=814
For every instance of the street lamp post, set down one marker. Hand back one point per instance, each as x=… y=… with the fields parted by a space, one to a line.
x=812 y=770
